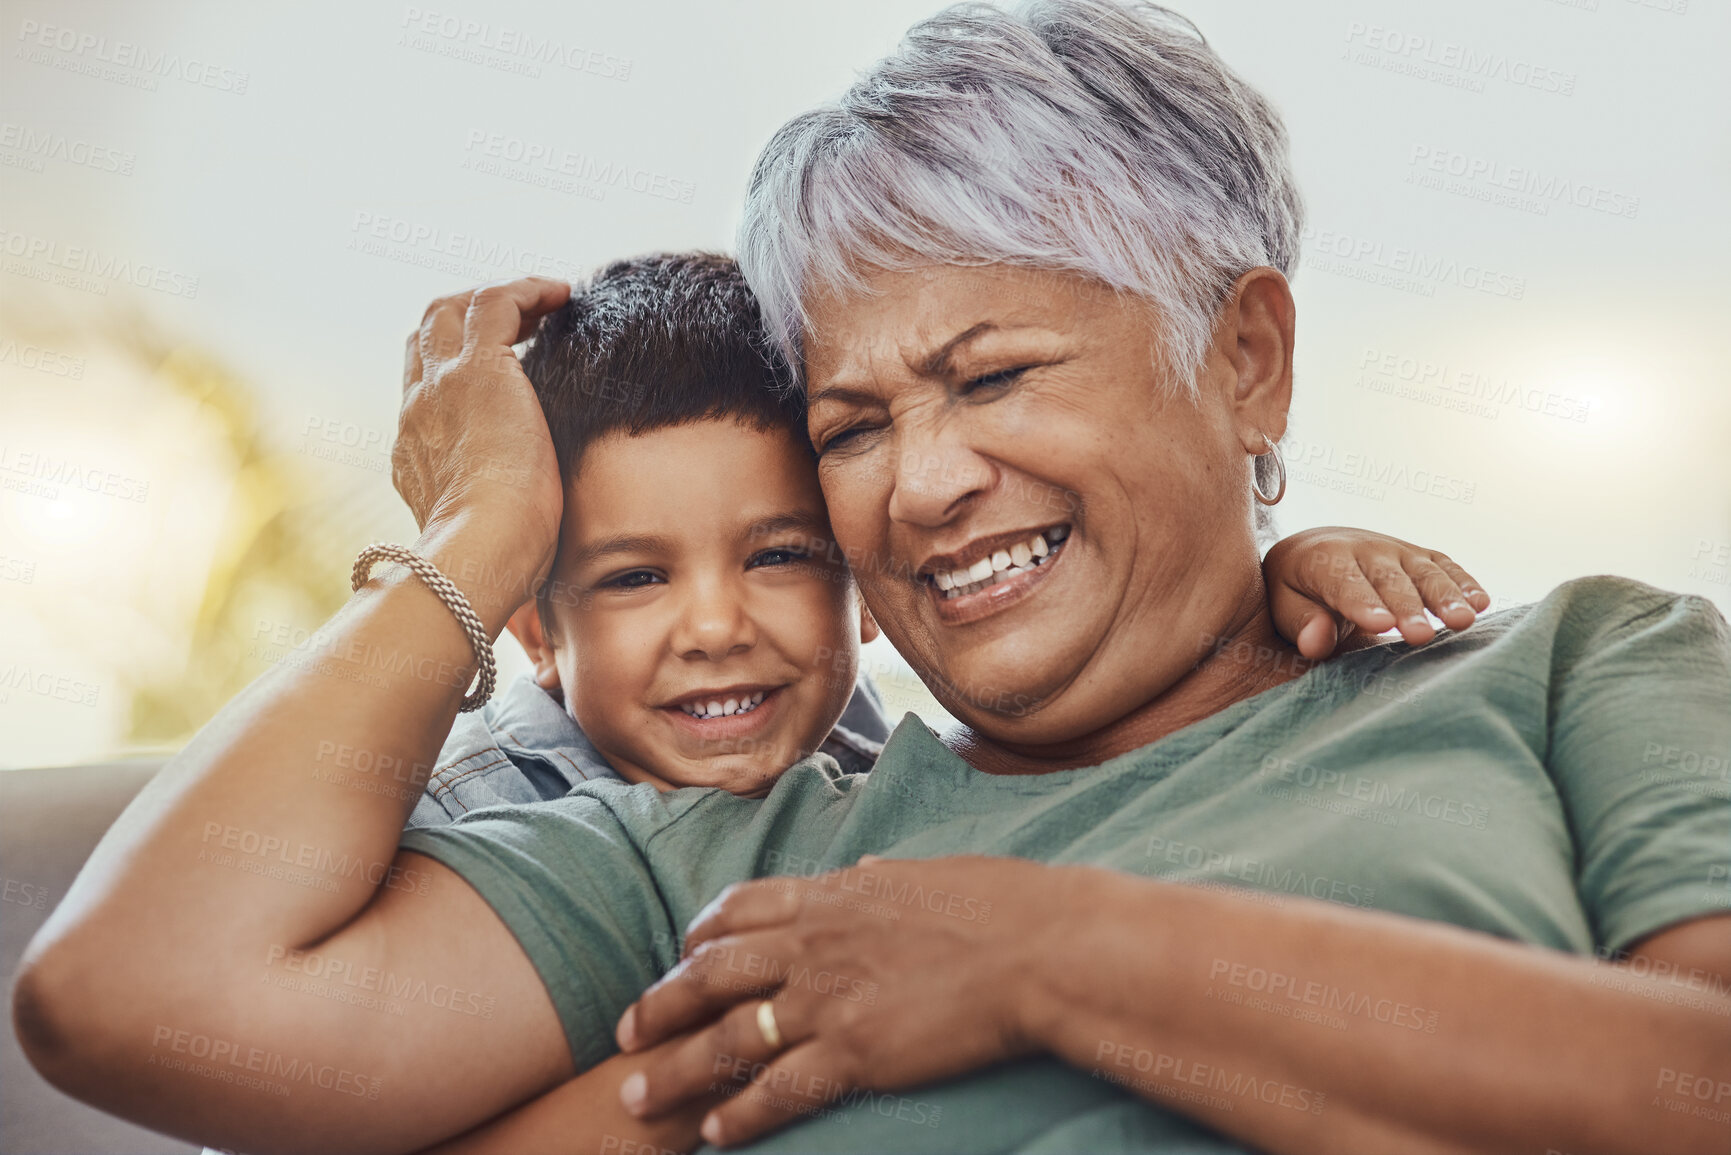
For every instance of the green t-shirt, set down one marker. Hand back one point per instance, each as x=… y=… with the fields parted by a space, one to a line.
x=1559 y=774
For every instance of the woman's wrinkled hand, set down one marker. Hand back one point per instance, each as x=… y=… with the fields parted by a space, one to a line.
x=883 y=976
x=472 y=444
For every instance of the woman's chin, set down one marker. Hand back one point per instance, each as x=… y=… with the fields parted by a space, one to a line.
x=1041 y=659
x=999 y=710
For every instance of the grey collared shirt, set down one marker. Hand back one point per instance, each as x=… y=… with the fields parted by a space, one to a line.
x=523 y=747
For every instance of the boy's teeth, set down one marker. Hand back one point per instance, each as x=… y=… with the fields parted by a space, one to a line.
x=722 y=709
x=1003 y=563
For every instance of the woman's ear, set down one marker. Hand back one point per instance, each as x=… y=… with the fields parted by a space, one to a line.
x=868 y=625
x=1259 y=347
x=525 y=626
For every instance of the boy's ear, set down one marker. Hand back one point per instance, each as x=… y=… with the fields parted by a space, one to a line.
x=868 y=625
x=525 y=626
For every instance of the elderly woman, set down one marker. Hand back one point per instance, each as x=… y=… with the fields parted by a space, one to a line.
x=1228 y=902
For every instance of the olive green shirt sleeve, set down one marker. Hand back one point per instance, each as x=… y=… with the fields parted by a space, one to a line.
x=570 y=883
x=1640 y=751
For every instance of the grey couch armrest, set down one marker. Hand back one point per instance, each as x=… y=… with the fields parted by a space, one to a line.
x=50 y=820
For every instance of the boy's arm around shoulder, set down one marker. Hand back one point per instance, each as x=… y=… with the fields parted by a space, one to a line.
x=584 y=1116
x=1323 y=583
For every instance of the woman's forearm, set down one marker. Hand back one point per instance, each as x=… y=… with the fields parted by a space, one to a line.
x=251 y=801
x=242 y=853
x=1306 y=1027
x=265 y=855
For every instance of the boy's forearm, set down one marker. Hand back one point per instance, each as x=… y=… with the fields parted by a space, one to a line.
x=584 y=1117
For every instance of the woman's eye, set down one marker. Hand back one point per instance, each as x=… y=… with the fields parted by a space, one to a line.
x=838 y=440
x=993 y=380
x=633 y=580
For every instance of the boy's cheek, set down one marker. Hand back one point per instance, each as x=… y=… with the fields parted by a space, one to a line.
x=598 y=678
x=835 y=668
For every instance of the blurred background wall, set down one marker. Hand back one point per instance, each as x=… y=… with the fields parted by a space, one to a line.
x=218 y=222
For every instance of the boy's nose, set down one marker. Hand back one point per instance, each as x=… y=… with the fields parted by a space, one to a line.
x=713 y=623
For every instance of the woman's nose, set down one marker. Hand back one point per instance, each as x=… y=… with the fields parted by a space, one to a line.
x=713 y=622
x=933 y=481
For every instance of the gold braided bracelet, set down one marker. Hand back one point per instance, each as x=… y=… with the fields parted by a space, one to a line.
x=453 y=599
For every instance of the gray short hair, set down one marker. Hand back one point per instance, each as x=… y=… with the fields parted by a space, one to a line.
x=1085 y=136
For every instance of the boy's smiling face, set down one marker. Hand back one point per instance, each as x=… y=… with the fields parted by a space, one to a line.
x=696 y=574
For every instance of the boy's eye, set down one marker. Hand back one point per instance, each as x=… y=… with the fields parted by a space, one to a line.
x=631 y=579
x=779 y=555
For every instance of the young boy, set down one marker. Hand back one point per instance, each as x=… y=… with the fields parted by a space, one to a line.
x=699 y=627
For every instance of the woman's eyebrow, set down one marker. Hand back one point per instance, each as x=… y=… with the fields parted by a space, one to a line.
x=844 y=394
x=938 y=362
x=933 y=364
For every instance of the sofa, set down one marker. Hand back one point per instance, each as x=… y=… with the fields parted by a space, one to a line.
x=50 y=821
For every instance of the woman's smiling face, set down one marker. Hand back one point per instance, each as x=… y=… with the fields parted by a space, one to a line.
x=971 y=417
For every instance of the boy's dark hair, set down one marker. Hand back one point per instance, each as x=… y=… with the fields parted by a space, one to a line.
x=651 y=342
x=655 y=341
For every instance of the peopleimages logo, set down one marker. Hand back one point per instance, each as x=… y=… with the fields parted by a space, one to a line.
x=82 y=261
x=42 y=359
x=503 y=47
x=27 y=147
x=1448 y=62
x=59 y=687
x=1527 y=188
x=585 y=168
x=1463 y=389
x=51 y=470
x=216 y=1054
x=1366 y=475
x=1409 y=269
x=86 y=51
x=419 y=243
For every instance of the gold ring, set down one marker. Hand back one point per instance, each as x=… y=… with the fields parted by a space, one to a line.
x=766 y=1025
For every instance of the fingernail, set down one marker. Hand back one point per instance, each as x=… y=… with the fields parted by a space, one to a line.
x=627 y=1032
x=633 y=1091
x=1452 y=606
x=711 y=1129
x=1379 y=613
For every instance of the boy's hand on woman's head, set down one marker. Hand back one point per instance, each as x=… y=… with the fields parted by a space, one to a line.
x=1322 y=583
x=473 y=450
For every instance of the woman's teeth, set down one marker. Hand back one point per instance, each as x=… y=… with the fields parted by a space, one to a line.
x=1002 y=565
x=723 y=707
